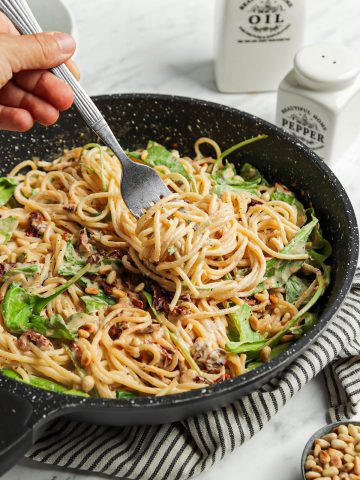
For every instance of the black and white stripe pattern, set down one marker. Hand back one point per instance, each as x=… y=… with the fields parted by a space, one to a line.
x=185 y=449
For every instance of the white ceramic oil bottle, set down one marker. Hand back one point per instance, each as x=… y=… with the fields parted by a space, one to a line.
x=319 y=99
x=256 y=41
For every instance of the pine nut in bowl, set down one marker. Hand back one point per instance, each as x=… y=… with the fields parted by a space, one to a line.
x=333 y=453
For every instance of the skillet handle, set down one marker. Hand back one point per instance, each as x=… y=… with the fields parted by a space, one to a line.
x=16 y=433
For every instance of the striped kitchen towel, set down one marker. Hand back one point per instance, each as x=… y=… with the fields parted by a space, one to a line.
x=184 y=449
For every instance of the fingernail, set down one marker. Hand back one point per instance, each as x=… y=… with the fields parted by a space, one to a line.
x=65 y=41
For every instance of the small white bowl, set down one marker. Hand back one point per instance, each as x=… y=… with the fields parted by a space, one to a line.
x=54 y=15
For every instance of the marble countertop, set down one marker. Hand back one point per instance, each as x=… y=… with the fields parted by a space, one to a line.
x=166 y=46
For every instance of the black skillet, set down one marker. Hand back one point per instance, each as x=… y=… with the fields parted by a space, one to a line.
x=24 y=410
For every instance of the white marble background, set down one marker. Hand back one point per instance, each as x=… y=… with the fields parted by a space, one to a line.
x=166 y=46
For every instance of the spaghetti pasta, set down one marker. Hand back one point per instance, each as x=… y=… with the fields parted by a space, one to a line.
x=209 y=283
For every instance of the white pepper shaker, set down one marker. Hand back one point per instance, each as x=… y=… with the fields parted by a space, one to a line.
x=256 y=41
x=319 y=99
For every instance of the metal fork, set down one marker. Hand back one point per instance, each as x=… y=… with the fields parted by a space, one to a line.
x=141 y=186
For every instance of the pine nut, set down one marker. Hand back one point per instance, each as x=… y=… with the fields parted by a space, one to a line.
x=324 y=457
x=265 y=354
x=317 y=469
x=345 y=437
x=83 y=333
x=312 y=475
x=118 y=293
x=332 y=452
x=330 y=436
x=354 y=477
x=88 y=383
x=92 y=290
x=323 y=443
x=325 y=478
x=144 y=155
x=309 y=464
x=348 y=458
x=317 y=450
x=343 y=429
x=336 y=477
x=352 y=430
x=139 y=287
x=350 y=451
x=348 y=467
x=357 y=465
x=336 y=461
x=330 y=472
x=110 y=279
x=339 y=444
x=357 y=447
x=105 y=269
x=344 y=476
x=310 y=457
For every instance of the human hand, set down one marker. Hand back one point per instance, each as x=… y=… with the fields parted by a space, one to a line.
x=29 y=93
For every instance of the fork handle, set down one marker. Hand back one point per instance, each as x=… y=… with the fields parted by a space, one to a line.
x=18 y=11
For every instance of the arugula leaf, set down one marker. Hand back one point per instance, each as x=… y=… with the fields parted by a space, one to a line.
x=240 y=322
x=77 y=320
x=251 y=174
x=93 y=303
x=226 y=177
x=307 y=322
x=7 y=188
x=27 y=270
x=173 y=336
x=7 y=227
x=72 y=261
x=286 y=196
x=322 y=283
x=43 y=383
x=243 y=143
x=294 y=287
x=158 y=155
x=21 y=308
x=53 y=327
x=279 y=271
x=101 y=297
x=244 y=347
x=125 y=394
x=320 y=249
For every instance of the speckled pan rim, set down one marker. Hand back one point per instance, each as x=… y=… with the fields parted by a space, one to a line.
x=319 y=433
x=234 y=384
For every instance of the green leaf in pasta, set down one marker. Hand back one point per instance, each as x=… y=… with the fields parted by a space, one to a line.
x=20 y=307
x=72 y=262
x=7 y=227
x=294 y=287
x=278 y=271
x=158 y=155
x=7 y=188
x=240 y=323
x=93 y=303
x=125 y=394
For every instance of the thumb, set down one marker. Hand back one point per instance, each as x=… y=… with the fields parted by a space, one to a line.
x=37 y=51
